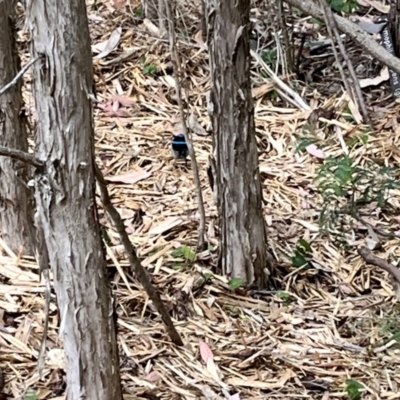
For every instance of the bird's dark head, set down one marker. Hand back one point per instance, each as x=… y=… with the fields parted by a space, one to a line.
x=180 y=138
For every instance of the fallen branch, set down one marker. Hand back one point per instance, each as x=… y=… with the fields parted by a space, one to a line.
x=353 y=31
x=19 y=75
x=134 y=261
x=21 y=156
x=372 y=259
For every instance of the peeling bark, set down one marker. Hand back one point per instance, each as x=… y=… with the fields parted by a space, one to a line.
x=16 y=200
x=243 y=234
x=65 y=196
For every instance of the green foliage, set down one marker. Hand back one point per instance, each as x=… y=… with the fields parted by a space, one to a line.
x=235 y=283
x=208 y=276
x=347 y=115
x=343 y=6
x=362 y=139
x=316 y=21
x=285 y=296
x=184 y=251
x=31 y=395
x=270 y=57
x=138 y=12
x=353 y=389
x=149 y=69
x=272 y=95
x=302 y=253
x=346 y=187
x=304 y=142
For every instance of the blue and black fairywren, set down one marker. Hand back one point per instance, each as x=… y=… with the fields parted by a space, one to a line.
x=179 y=147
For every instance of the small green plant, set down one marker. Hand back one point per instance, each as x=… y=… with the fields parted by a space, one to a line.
x=285 y=297
x=31 y=395
x=343 y=6
x=302 y=254
x=362 y=139
x=270 y=57
x=185 y=252
x=138 y=12
x=305 y=142
x=235 y=283
x=346 y=188
x=149 y=69
x=353 y=388
x=347 y=114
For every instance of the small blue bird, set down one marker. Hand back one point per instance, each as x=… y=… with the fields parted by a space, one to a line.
x=179 y=147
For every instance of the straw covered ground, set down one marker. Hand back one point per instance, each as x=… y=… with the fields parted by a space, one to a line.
x=334 y=321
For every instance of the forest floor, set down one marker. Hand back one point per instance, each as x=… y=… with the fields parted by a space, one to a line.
x=327 y=329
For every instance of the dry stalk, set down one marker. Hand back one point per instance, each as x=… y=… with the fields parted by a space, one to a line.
x=334 y=34
x=176 y=63
x=134 y=261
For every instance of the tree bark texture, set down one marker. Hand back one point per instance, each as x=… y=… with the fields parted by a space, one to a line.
x=394 y=23
x=16 y=200
x=239 y=194
x=65 y=196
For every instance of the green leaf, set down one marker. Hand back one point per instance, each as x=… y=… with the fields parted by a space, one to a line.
x=138 y=12
x=178 y=267
x=208 y=276
x=353 y=389
x=299 y=261
x=184 y=251
x=304 y=142
x=31 y=395
x=149 y=69
x=316 y=21
x=307 y=247
x=234 y=283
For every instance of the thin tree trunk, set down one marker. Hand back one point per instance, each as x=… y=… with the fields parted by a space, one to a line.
x=65 y=196
x=16 y=200
x=394 y=22
x=243 y=234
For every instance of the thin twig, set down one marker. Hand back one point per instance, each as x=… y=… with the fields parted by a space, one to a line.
x=176 y=62
x=372 y=259
x=353 y=31
x=295 y=97
x=333 y=32
x=134 y=261
x=379 y=231
x=19 y=75
x=22 y=156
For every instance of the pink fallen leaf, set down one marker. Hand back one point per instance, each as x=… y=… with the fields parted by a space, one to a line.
x=234 y=397
x=123 y=100
x=131 y=177
x=205 y=352
x=113 y=110
x=315 y=151
x=305 y=205
x=153 y=376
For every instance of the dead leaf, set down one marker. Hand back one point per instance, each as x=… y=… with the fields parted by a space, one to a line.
x=315 y=151
x=153 y=376
x=131 y=177
x=382 y=77
x=108 y=46
x=205 y=352
x=151 y=27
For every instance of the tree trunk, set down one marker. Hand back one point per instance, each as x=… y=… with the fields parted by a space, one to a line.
x=16 y=200
x=239 y=194
x=65 y=196
x=394 y=25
